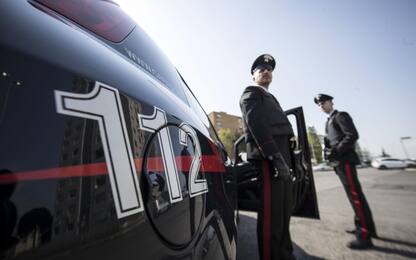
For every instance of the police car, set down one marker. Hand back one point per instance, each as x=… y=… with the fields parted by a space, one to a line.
x=105 y=152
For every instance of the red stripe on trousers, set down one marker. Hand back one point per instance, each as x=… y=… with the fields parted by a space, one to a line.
x=266 y=211
x=356 y=202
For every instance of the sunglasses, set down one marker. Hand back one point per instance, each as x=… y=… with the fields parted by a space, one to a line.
x=264 y=67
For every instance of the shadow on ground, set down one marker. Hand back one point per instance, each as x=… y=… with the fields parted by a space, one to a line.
x=247 y=241
x=395 y=251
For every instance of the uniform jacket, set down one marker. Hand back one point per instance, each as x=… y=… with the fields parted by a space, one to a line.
x=264 y=122
x=341 y=136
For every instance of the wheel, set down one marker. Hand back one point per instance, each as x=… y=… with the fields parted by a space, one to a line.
x=382 y=167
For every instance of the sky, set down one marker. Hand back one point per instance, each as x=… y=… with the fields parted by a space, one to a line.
x=363 y=53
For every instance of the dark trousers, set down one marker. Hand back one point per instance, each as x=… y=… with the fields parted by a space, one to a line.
x=274 y=215
x=363 y=218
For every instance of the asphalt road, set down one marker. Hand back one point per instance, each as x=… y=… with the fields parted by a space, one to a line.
x=392 y=198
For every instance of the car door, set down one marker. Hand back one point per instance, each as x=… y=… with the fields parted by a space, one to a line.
x=394 y=163
x=398 y=163
x=305 y=202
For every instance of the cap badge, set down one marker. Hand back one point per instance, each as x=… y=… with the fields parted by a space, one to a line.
x=267 y=58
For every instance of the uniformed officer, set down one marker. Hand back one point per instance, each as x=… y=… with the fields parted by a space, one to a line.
x=267 y=133
x=340 y=139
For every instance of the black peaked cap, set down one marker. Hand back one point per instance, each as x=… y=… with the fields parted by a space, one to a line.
x=265 y=59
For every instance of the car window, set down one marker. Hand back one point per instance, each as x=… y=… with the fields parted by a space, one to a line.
x=140 y=49
x=293 y=121
x=196 y=106
x=194 y=103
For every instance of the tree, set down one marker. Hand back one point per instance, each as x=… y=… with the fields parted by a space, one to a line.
x=314 y=145
x=359 y=151
x=363 y=153
x=366 y=156
x=383 y=153
x=228 y=138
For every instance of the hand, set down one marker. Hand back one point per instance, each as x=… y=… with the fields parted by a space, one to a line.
x=330 y=154
x=333 y=155
x=280 y=167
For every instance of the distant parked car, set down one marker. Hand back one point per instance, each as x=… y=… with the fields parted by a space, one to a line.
x=388 y=163
x=322 y=167
x=410 y=163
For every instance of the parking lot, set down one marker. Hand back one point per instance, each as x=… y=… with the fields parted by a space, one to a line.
x=392 y=198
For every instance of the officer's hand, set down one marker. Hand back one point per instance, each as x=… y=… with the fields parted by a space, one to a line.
x=281 y=170
x=332 y=155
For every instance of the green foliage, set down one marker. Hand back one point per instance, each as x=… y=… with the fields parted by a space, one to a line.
x=228 y=138
x=365 y=156
x=314 y=145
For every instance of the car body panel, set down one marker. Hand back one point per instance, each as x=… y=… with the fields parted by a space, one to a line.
x=410 y=163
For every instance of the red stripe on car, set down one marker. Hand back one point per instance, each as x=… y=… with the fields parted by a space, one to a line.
x=210 y=164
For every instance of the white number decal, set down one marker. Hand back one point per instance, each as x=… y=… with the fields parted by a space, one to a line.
x=103 y=105
x=151 y=124
x=196 y=186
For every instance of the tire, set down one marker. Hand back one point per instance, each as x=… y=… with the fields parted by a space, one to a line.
x=382 y=167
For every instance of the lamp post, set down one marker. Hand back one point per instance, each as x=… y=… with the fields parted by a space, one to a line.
x=404 y=148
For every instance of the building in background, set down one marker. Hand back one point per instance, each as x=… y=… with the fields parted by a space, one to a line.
x=222 y=120
x=229 y=129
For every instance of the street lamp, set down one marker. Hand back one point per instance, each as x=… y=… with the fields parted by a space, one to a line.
x=404 y=148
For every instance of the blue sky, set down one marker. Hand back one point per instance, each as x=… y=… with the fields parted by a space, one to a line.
x=361 y=52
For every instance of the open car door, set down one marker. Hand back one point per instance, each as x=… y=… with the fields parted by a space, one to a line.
x=305 y=202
